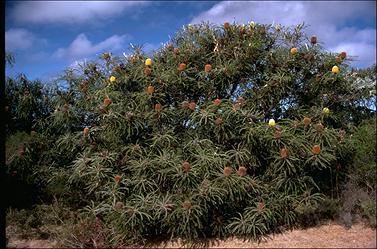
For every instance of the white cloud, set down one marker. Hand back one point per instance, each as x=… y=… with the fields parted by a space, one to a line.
x=330 y=21
x=18 y=39
x=70 y=12
x=82 y=47
x=360 y=52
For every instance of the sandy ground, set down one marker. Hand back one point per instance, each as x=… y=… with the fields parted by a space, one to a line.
x=326 y=236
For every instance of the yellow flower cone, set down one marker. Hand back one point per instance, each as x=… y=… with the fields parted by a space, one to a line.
x=326 y=110
x=113 y=79
x=294 y=51
x=148 y=62
x=271 y=123
x=335 y=69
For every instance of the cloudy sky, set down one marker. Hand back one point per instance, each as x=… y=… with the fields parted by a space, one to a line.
x=46 y=37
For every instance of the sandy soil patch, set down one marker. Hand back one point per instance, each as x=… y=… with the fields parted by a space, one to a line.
x=330 y=235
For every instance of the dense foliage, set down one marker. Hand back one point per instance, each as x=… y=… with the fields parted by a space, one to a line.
x=230 y=130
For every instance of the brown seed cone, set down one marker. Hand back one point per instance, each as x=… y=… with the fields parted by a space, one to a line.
x=106 y=56
x=182 y=67
x=102 y=109
x=208 y=68
x=157 y=107
x=169 y=206
x=170 y=47
x=338 y=59
x=150 y=89
x=176 y=51
x=186 y=167
x=316 y=149
x=192 y=106
x=343 y=55
x=133 y=59
x=284 y=153
x=306 y=121
x=319 y=127
x=21 y=150
x=242 y=171
x=227 y=171
x=217 y=102
x=147 y=71
x=185 y=104
x=117 y=178
x=277 y=134
x=218 y=121
x=261 y=206
x=119 y=205
x=241 y=101
x=236 y=107
x=313 y=39
x=226 y=25
x=107 y=101
x=66 y=107
x=117 y=69
x=84 y=88
x=242 y=31
x=308 y=57
x=187 y=205
x=342 y=133
x=86 y=131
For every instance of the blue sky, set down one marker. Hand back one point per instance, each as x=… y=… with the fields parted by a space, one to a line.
x=46 y=37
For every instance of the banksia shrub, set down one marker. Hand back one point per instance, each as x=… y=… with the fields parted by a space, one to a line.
x=158 y=161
